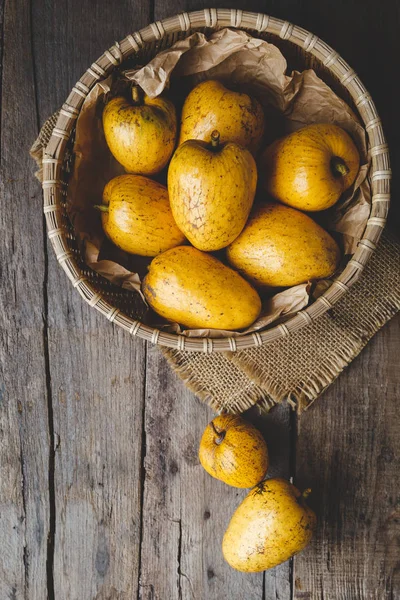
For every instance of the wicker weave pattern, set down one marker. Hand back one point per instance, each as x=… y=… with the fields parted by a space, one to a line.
x=137 y=44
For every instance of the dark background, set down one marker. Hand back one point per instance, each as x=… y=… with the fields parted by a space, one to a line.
x=101 y=493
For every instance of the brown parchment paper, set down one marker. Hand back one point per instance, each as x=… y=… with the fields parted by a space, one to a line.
x=290 y=102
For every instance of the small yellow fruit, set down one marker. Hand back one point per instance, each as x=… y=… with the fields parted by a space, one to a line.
x=311 y=168
x=234 y=451
x=140 y=134
x=195 y=289
x=281 y=247
x=210 y=105
x=137 y=217
x=211 y=190
x=271 y=525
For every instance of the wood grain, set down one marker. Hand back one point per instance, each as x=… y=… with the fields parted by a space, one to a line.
x=81 y=405
x=98 y=405
x=278 y=428
x=97 y=373
x=185 y=511
x=24 y=441
x=348 y=451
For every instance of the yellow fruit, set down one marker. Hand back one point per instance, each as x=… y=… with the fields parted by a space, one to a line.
x=140 y=134
x=281 y=246
x=198 y=291
x=271 y=524
x=311 y=168
x=137 y=217
x=238 y=117
x=234 y=451
x=211 y=190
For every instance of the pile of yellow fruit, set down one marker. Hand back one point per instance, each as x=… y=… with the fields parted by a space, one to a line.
x=207 y=205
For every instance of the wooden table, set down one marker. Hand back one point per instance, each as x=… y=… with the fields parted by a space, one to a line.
x=101 y=492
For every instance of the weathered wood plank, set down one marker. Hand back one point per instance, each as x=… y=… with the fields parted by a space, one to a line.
x=278 y=428
x=348 y=452
x=24 y=441
x=185 y=511
x=98 y=378
x=97 y=371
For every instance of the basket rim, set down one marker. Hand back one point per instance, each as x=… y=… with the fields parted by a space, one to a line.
x=214 y=18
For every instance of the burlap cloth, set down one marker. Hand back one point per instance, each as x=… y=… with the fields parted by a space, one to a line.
x=300 y=367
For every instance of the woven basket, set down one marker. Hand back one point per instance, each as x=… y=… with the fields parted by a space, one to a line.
x=302 y=50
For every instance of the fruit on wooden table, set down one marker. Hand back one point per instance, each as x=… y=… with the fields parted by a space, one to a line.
x=311 y=168
x=136 y=216
x=234 y=451
x=211 y=188
x=271 y=524
x=140 y=131
x=198 y=291
x=210 y=105
x=281 y=246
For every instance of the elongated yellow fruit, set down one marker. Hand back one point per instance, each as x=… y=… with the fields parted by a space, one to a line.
x=281 y=246
x=198 y=291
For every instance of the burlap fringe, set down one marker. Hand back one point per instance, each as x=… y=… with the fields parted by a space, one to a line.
x=248 y=398
x=307 y=391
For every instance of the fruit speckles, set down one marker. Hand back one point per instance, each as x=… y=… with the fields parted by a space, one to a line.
x=238 y=117
x=211 y=192
x=193 y=288
x=139 y=218
x=281 y=247
x=310 y=168
x=268 y=527
x=140 y=136
x=234 y=451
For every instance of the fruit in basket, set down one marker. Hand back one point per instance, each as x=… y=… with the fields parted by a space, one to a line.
x=281 y=247
x=198 y=291
x=311 y=168
x=211 y=188
x=136 y=216
x=140 y=132
x=234 y=451
x=271 y=525
x=210 y=105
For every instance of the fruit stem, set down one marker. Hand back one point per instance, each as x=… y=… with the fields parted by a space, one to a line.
x=306 y=493
x=215 y=139
x=339 y=167
x=101 y=207
x=220 y=434
x=136 y=95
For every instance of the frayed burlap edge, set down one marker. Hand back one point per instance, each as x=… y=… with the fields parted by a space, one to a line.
x=245 y=397
x=307 y=391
